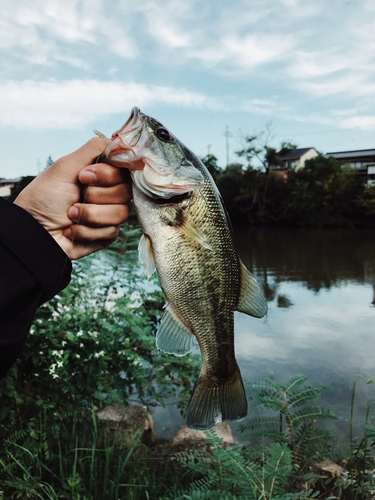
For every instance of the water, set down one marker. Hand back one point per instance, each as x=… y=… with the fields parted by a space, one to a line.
x=320 y=287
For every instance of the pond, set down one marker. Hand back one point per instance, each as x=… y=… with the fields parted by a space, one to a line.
x=320 y=287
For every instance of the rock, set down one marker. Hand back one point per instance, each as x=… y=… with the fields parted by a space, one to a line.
x=122 y=423
x=222 y=430
x=327 y=466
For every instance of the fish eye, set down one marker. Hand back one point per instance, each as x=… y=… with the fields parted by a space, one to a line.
x=163 y=134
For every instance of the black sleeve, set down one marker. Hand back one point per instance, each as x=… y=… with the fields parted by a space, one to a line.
x=33 y=268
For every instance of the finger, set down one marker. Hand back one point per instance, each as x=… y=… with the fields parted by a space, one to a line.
x=68 y=167
x=80 y=233
x=122 y=193
x=98 y=215
x=101 y=174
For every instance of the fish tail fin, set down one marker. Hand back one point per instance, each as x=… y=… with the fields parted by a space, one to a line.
x=213 y=402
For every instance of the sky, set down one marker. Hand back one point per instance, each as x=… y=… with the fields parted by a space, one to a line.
x=302 y=70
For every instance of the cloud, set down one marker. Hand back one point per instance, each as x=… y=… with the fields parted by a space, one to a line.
x=365 y=122
x=74 y=103
x=43 y=29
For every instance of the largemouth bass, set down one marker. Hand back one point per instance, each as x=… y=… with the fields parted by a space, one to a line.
x=187 y=236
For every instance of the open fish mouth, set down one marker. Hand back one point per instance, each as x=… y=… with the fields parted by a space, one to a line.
x=131 y=133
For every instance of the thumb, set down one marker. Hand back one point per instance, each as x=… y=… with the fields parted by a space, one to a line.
x=68 y=167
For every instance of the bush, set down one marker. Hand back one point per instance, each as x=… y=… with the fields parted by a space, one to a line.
x=91 y=345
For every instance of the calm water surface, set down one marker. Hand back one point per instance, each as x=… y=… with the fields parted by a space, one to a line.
x=320 y=287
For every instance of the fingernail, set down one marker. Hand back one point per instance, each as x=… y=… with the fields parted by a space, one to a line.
x=87 y=176
x=73 y=213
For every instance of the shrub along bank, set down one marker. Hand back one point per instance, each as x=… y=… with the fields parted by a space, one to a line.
x=323 y=193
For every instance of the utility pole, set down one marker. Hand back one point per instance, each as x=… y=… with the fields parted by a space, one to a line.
x=227 y=135
x=209 y=148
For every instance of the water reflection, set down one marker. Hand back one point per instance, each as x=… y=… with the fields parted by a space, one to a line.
x=320 y=286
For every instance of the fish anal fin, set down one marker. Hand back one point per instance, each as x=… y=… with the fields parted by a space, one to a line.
x=212 y=402
x=172 y=336
x=252 y=300
x=192 y=231
x=146 y=254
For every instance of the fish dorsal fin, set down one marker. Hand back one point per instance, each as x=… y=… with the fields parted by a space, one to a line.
x=252 y=300
x=194 y=232
x=172 y=336
x=146 y=254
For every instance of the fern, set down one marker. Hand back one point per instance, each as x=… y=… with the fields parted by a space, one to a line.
x=235 y=473
x=291 y=412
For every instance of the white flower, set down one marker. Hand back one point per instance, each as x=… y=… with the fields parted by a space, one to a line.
x=78 y=356
x=93 y=334
x=98 y=354
x=52 y=368
x=57 y=354
x=54 y=375
x=64 y=342
x=40 y=352
x=81 y=345
x=60 y=364
x=32 y=330
x=80 y=333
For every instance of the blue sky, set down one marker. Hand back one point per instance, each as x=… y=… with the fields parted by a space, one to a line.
x=71 y=66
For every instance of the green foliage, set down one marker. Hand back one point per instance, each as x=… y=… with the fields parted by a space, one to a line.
x=77 y=460
x=19 y=186
x=358 y=480
x=324 y=193
x=211 y=163
x=367 y=201
x=291 y=416
x=91 y=345
x=240 y=473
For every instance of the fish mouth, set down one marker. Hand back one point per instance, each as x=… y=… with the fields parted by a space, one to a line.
x=130 y=133
x=127 y=141
x=135 y=115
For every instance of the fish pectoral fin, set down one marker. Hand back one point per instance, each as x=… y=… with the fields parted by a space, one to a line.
x=146 y=254
x=189 y=229
x=172 y=336
x=252 y=300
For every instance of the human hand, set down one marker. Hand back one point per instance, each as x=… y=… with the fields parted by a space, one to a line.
x=79 y=203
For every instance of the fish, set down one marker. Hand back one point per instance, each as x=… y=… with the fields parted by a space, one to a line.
x=187 y=237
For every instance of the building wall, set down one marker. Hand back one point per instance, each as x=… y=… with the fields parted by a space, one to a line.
x=307 y=156
x=5 y=190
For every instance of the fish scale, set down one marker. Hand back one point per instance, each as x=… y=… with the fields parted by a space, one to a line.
x=187 y=237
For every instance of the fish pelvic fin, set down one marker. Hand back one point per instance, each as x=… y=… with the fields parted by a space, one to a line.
x=252 y=300
x=172 y=336
x=213 y=402
x=146 y=254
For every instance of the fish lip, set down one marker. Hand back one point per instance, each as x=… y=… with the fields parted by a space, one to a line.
x=135 y=115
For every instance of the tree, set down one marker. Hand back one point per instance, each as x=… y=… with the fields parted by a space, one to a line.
x=49 y=161
x=211 y=163
x=256 y=150
x=324 y=193
x=19 y=186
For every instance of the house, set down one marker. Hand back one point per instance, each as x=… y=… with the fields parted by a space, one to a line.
x=363 y=160
x=6 y=185
x=294 y=158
